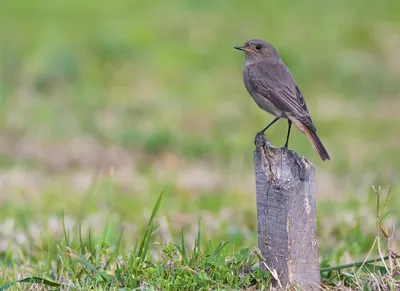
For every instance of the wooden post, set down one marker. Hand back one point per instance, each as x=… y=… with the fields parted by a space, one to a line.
x=287 y=239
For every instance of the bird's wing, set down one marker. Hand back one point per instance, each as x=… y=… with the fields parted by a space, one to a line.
x=275 y=82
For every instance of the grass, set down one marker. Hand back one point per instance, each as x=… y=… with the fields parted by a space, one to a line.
x=84 y=262
x=104 y=103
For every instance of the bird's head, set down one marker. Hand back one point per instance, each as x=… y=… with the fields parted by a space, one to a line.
x=258 y=49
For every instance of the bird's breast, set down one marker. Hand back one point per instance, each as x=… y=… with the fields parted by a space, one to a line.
x=262 y=101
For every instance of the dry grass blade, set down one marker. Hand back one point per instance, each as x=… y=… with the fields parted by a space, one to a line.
x=272 y=271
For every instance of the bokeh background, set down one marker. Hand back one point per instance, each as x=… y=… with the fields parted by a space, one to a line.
x=103 y=104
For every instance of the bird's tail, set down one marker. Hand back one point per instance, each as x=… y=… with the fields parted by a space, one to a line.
x=316 y=143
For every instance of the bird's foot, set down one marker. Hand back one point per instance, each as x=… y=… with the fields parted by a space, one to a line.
x=285 y=147
x=260 y=138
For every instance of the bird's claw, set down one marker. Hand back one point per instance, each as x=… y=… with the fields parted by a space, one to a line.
x=259 y=137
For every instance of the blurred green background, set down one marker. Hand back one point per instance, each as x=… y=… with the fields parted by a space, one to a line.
x=105 y=103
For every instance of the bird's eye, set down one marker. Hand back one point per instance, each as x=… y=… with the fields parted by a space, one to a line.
x=258 y=47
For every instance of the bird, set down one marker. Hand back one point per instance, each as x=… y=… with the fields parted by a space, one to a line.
x=273 y=88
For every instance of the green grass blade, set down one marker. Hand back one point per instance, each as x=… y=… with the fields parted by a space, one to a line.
x=144 y=245
x=37 y=280
x=183 y=248
x=220 y=247
x=71 y=264
x=198 y=235
x=196 y=247
x=118 y=245
x=64 y=228
x=106 y=228
x=86 y=263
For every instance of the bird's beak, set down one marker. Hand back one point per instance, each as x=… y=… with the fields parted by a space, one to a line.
x=245 y=49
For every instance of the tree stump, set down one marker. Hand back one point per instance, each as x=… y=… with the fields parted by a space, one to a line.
x=286 y=215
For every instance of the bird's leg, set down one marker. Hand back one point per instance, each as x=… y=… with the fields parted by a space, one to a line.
x=288 y=134
x=273 y=121
x=261 y=133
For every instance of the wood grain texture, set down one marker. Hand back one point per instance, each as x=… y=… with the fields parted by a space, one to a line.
x=286 y=214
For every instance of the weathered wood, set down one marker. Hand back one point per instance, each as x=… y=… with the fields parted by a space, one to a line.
x=286 y=198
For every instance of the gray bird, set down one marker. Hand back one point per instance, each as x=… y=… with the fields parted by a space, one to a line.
x=271 y=84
